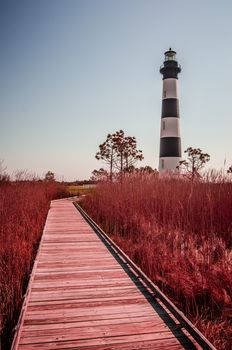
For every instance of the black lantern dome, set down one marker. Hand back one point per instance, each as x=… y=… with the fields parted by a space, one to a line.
x=170 y=68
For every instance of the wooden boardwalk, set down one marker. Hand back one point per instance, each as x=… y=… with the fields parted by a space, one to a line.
x=81 y=297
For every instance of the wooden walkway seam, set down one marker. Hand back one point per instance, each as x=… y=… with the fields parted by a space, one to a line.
x=80 y=296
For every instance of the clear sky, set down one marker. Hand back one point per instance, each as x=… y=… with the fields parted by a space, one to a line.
x=72 y=71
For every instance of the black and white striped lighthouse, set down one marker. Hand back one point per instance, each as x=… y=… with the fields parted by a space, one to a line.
x=170 y=141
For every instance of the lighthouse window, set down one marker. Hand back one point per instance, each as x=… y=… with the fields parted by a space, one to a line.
x=165 y=94
x=162 y=163
x=163 y=125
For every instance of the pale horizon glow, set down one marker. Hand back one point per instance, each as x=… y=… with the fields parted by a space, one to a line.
x=73 y=71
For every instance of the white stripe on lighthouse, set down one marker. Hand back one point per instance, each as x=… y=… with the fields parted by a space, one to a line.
x=170 y=88
x=170 y=127
x=168 y=163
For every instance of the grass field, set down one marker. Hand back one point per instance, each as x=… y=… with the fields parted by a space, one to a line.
x=78 y=190
x=180 y=234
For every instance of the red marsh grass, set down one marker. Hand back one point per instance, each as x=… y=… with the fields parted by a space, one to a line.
x=23 y=210
x=180 y=234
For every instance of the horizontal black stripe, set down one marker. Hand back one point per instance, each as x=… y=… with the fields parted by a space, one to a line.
x=170 y=69
x=170 y=108
x=170 y=147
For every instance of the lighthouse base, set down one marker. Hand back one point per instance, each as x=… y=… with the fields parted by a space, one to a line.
x=168 y=164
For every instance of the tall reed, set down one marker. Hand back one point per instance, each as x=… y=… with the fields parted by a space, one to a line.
x=23 y=209
x=180 y=234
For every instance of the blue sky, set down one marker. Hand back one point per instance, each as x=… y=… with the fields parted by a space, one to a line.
x=72 y=71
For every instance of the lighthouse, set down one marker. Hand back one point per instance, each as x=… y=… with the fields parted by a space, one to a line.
x=170 y=141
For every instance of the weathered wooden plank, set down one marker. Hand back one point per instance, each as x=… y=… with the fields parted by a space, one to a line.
x=90 y=329
x=83 y=294
x=95 y=302
x=80 y=284
x=107 y=315
x=75 y=308
x=110 y=342
x=45 y=276
x=135 y=318
x=104 y=332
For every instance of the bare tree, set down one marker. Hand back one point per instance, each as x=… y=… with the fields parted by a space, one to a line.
x=4 y=177
x=148 y=170
x=119 y=152
x=126 y=149
x=229 y=171
x=23 y=175
x=49 y=176
x=195 y=162
x=107 y=153
x=99 y=175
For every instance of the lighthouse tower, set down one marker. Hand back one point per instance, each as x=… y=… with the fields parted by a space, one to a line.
x=170 y=142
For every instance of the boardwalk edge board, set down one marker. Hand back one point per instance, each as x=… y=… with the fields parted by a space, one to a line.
x=184 y=321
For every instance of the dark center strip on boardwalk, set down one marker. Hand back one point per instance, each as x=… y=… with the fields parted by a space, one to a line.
x=169 y=321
